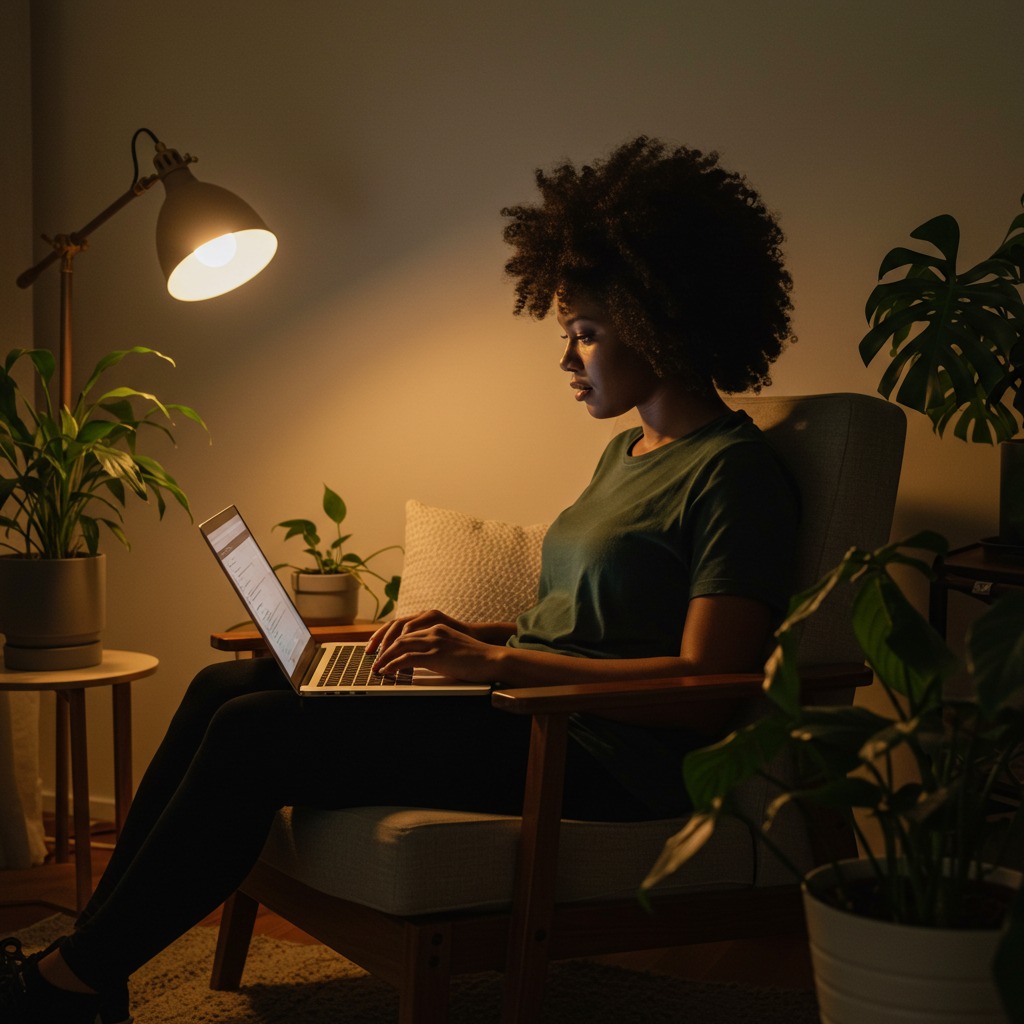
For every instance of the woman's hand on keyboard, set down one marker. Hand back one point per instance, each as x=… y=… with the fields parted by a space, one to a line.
x=436 y=644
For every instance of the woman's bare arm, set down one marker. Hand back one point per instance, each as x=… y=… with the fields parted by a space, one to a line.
x=722 y=634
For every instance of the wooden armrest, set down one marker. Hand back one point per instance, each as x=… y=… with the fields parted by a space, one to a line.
x=668 y=693
x=239 y=640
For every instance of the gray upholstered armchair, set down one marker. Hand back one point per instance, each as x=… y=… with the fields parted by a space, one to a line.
x=416 y=896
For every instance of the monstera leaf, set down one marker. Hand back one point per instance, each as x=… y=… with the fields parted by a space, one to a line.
x=956 y=339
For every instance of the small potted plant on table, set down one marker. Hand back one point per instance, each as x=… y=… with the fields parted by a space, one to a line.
x=327 y=592
x=928 y=928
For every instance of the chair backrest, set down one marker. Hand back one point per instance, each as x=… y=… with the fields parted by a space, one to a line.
x=845 y=452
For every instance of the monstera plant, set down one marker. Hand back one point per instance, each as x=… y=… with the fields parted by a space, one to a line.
x=956 y=347
x=956 y=338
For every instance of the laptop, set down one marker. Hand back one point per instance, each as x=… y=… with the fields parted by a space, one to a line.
x=313 y=669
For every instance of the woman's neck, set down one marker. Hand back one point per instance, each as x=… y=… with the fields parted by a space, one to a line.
x=673 y=414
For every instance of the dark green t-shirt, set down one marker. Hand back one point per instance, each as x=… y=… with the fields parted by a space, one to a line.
x=711 y=513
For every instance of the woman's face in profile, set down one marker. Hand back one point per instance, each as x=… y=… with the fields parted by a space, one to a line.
x=608 y=376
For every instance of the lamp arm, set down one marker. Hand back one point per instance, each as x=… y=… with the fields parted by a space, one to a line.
x=65 y=247
x=65 y=244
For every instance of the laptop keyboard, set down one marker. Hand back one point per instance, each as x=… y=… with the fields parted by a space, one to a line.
x=350 y=665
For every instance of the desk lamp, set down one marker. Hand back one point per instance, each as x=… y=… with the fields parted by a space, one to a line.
x=208 y=240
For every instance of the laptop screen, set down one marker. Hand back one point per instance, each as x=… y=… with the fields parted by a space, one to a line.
x=262 y=593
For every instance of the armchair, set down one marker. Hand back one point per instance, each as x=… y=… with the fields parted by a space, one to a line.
x=437 y=893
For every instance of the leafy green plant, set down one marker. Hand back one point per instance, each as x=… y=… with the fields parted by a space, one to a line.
x=331 y=558
x=962 y=723
x=71 y=470
x=968 y=355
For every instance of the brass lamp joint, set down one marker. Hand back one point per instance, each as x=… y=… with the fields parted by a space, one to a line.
x=166 y=161
x=67 y=246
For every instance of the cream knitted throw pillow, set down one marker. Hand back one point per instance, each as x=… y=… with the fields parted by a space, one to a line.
x=476 y=570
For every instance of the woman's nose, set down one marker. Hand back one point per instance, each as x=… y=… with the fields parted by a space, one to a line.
x=570 y=357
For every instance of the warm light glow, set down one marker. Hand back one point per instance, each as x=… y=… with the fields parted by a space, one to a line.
x=199 y=277
x=218 y=251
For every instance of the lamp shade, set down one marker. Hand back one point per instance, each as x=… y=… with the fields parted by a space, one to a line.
x=207 y=239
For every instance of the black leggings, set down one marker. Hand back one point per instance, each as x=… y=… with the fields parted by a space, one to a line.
x=242 y=745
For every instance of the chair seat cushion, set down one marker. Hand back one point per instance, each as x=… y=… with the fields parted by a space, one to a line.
x=408 y=861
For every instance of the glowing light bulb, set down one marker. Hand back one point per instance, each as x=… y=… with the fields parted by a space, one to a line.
x=218 y=252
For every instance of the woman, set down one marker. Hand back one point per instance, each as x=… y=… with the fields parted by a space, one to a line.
x=664 y=273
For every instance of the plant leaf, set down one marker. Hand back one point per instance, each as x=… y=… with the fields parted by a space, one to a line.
x=944 y=233
x=841 y=793
x=717 y=769
x=901 y=257
x=903 y=649
x=334 y=506
x=681 y=847
x=995 y=646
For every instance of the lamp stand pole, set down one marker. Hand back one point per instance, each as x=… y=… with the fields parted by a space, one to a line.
x=67 y=256
x=65 y=248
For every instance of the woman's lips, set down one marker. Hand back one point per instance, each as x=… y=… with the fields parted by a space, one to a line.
x=582 y=390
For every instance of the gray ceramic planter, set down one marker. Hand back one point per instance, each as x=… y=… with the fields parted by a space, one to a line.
x=52 y=611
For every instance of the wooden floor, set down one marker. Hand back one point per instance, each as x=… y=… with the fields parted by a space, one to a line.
x=28 y=896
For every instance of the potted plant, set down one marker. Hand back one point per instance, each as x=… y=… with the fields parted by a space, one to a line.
x=943 y=830
x=68 y=473
x=327 y=593
x=956 y=345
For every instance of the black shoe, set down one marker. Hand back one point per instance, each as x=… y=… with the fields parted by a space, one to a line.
x=12 y=984
x=47 y=1004
x=26 y=997
x=114 y=1007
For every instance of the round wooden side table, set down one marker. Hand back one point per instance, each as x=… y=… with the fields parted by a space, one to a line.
x=116 y=670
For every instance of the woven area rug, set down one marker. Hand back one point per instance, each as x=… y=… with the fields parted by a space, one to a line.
x=289 y=983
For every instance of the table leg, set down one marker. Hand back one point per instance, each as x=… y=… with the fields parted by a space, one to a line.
x=121 y=696
x=80 y=797
x=60 y=795
x=938 y=598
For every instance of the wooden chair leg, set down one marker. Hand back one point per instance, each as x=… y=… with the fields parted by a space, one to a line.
x=426 y=975
x=236 y=924
x=534 y=894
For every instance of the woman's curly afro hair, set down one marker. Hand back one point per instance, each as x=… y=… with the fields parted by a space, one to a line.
x=681 y=254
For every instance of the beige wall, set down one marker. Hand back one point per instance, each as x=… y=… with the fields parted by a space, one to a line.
x=380 y=140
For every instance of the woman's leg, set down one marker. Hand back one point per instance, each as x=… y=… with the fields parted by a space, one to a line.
x=266 y=749
x=212 y=687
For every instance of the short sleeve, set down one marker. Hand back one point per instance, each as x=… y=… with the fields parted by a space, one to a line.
x=742 y=527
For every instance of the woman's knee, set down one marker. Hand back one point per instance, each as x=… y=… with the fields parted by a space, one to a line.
x=223 y=681
x=217 y=685
x=260 y=721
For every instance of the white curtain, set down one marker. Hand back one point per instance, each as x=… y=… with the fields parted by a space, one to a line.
x=21 y=802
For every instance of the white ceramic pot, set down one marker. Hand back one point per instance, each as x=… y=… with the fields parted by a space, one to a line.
x=52 y=611
x=326 y=600
x=874 y=972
